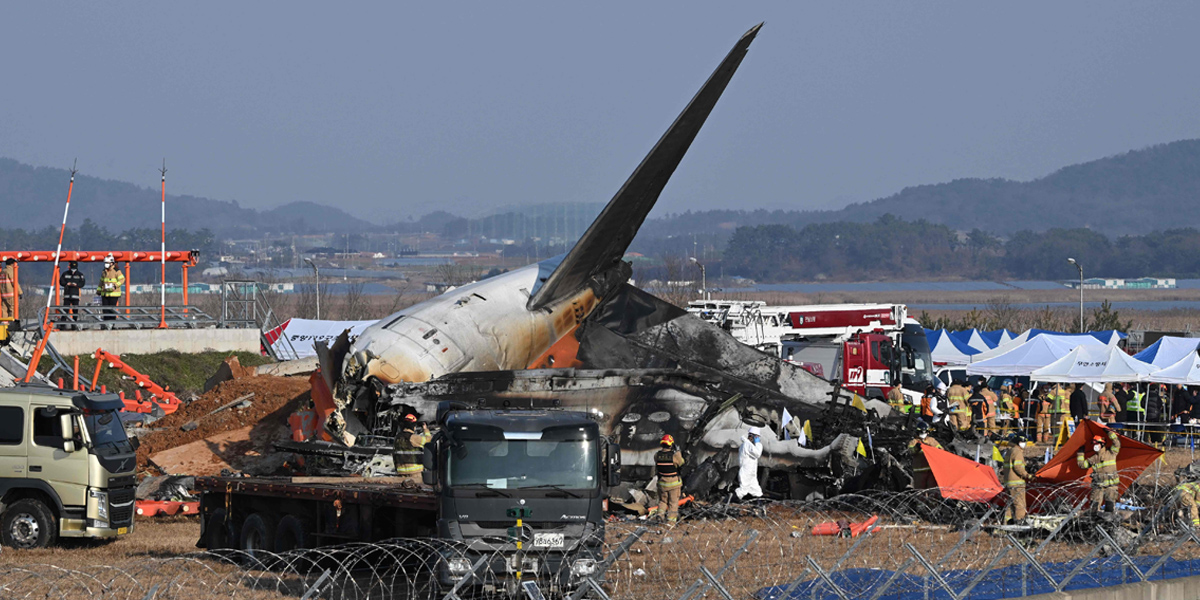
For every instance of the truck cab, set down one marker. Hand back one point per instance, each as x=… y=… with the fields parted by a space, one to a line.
x=525 y=487
x=67 y=468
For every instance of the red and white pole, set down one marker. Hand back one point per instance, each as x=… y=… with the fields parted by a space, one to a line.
x=162 y=321
x=47 y=326
x=58 y=253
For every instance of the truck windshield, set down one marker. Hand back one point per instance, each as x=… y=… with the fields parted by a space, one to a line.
x=515 y=464
x=106 y=431
x=914 y=341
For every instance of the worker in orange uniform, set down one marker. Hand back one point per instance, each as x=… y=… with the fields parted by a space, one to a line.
x=989 y=415
x=1103 y=463
x=408 y=452
x=667 y=461
x=929 y=405
x=1041 y=397
x=1109 y=407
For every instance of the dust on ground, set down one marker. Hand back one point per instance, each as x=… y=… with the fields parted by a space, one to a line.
x=264 y=421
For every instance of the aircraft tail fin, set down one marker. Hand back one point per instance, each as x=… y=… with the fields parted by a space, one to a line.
x=609 y=236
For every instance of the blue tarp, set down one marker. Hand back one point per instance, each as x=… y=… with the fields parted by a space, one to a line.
x=1013 y=581
x=1167 y=350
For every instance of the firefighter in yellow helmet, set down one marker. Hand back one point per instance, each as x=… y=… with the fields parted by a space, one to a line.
x=667 y=461
x=408 y=452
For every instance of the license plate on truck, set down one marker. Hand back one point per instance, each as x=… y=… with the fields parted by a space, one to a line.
x=548 y=540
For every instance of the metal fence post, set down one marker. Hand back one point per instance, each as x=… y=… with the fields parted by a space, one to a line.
x=824 y=577
x=929 y=568
x=316 y=587
x=1031 y=560
x=1121 y=553
x=700 y=588
x=607 y=563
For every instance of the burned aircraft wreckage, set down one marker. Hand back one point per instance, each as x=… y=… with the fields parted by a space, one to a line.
x=569 y=331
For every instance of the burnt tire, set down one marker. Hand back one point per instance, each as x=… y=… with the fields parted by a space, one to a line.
x=27 y=524
x=292 y=533
x=220 y=533
x=258 y=535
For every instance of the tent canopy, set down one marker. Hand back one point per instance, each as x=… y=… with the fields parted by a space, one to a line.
x=973 y=338
x=1168 y=350
x=996 y=337
x=1024 y=358
x=1093 y=364
x=1068 y=341
x=961 y=478
x=1186 y=371
x=945 y=349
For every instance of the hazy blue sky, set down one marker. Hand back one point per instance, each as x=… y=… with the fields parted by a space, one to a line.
x=395 y=109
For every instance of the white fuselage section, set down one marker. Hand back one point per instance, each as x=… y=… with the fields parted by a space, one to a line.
x=483 y=326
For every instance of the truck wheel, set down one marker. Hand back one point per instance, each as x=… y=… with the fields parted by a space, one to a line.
x=28 y=523
x=291 y=534
x=258 y=534
x=219 y=532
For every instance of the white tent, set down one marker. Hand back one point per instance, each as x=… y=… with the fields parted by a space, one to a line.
x=1168 y=350
x=1069 y=341
x=972 y=338
x=1022 y=359
x=945 y=349
x=1185 y=371
x=1093 y=364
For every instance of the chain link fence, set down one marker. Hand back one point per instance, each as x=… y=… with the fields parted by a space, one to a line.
x=906 y=546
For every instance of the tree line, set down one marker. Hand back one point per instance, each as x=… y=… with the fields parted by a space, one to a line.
x=892 y=248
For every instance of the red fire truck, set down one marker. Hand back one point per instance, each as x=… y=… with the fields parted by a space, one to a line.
x=870 y=347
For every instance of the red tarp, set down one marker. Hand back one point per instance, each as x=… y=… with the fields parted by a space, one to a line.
x=1133 y=458
x=962 y=478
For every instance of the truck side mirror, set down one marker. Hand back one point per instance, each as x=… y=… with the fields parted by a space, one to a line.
x=67 y=425
x=613 y=472
x=429 y=462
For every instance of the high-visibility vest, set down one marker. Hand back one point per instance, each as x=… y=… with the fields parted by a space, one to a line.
x=1056 y=401
x=1134 y=404
x=406 y=455
x=110 y=285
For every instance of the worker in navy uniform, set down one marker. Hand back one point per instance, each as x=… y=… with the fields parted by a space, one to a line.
x=72 y=282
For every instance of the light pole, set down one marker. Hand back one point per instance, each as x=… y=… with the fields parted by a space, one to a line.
x=1080 y=267
x=317 y=278
x=703 y=278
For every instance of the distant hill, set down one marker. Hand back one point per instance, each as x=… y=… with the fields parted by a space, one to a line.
x=32 y=198
x=1156 y=188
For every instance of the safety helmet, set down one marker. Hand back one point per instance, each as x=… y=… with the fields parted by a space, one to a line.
x=1006 y=383
x=922 y=426
x=667 y=440
x=1096 y=438
x=1016 y=438
x=410 y=417
x=109 y=260
x=73 y=264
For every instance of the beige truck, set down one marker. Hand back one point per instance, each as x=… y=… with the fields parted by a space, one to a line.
x=67 y=469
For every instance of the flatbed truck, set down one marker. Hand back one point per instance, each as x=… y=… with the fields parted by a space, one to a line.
x=494 y=478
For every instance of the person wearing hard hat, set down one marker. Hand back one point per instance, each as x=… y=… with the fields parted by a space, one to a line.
x=72 y=282
x=958 y=397
x=667 y=461
x=1015 y=478
x=922 y=475
x=748 y=456
x=1187 y=496
x=408 y=452
x=111 y=282
x=1103 y=464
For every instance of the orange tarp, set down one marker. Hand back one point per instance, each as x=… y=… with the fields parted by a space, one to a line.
x=1133 y=458
x=962 y=478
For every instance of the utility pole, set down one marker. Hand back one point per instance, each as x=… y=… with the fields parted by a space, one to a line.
x=1080 y=267
x=317 y=279
x=703 y=278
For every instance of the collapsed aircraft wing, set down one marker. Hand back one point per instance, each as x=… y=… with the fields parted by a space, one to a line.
x=605 y=242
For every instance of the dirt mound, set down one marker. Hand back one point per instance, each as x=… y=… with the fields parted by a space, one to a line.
x=274 y=399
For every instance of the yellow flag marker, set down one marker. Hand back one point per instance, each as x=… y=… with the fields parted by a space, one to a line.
x=996 y=456
x=861 y=449
x=857 y=402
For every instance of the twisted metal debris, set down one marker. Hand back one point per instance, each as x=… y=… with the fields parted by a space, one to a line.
x=921 y=545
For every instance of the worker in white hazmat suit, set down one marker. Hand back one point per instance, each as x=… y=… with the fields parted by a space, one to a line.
x=748 y=465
